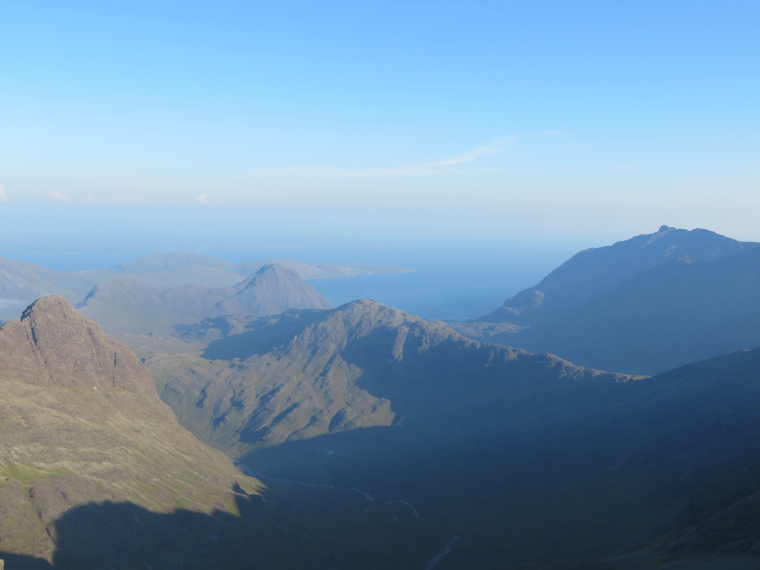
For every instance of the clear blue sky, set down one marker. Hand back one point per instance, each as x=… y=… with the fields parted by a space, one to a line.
x=588 y=119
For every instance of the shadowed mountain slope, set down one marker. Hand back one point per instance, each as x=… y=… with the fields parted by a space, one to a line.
x=526 y=458
x=369 y=397
x=666 y=316
x=126 y=306
x=593 y=272
x=693 y=432
x=95 y=472
x=306 y=374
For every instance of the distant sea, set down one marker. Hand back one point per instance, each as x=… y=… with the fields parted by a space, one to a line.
x=452 y=281
x=451 y=286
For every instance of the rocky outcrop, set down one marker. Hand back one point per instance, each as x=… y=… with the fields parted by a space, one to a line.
x=52 y=344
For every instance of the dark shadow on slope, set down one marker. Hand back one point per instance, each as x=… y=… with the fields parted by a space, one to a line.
x=125 y=536
x=575 y=473
x=512 y=501
x=294 y=529
x=478 y=387
x=667 y=316
x=20 y=562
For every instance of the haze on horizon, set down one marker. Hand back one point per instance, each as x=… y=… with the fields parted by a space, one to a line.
x=497 y=120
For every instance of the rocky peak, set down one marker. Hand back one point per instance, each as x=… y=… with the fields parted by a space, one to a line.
x=271 y=272
x=53 y=344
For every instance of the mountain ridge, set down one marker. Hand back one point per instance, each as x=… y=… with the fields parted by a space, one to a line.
x=126 y=306
x=593 y=271
x=22 y=282
x=331 y=370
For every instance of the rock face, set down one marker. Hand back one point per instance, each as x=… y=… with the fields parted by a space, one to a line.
x=127 y=306
x=55 y=345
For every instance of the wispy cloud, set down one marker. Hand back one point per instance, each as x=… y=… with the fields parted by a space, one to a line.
x=442 y=166
x=57 y=197
x=3 y=195
x=494 y=147
x=446 y=165
x=202 y=199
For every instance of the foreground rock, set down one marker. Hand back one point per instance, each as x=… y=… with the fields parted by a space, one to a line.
x=94 y=469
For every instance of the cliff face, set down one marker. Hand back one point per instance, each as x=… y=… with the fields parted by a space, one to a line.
x=55 y=345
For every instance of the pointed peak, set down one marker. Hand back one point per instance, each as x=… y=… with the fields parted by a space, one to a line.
x=55 y=344
x=361 y=304
x=55 y=316
x=270 y=271
x=272 y=267
x=53 y=303
x=361 y=309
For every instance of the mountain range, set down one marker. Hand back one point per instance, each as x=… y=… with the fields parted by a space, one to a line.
x=486 y=440
x=309 y=373
x=126 y=306
x=641 y=306
x=370 y=397
x=95 y=472
x=595 y=271
x=381 y=440
x=22 y=282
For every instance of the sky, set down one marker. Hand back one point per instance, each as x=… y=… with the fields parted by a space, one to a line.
x=497 y=120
